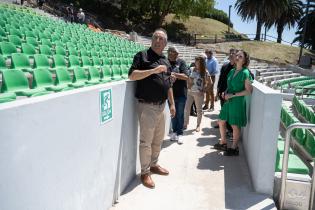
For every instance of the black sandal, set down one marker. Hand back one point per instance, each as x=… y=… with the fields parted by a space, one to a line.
x=232 y=152
x=219 y=146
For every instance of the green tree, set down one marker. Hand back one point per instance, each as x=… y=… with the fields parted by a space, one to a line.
x=290 y=15
x=155 y=11
x=262 y=10
x=309 y=39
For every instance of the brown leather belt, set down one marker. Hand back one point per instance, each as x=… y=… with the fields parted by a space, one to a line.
x=149 y=102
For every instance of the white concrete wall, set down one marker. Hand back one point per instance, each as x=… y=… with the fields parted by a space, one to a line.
x=260 y=136
x=55 y=154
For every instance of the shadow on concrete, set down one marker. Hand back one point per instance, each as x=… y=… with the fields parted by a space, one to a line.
x=211 y=116
x=166 y=143
x=237 y=183
x=133 y=184
x=189 y=132
x=207 y=141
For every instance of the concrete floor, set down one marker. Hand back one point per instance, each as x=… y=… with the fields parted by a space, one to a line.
x=201 y=178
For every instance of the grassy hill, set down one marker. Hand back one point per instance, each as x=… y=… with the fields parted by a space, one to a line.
x=269 y=51
x=199 y=25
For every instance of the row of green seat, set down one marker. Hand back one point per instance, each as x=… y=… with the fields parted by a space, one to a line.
x=285 y=83
x=7 y=49
x=57 y=48
x=15 y=82
x=20 y=61
x=36 y=38
x=304 y=137
x=304 y=110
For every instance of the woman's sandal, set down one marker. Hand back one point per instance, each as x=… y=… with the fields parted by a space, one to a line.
x=232 y=152
x=219 y=146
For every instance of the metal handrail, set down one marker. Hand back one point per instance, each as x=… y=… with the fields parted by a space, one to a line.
x=286 y=160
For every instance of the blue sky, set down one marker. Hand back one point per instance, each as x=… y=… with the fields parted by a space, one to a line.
x=250 y=27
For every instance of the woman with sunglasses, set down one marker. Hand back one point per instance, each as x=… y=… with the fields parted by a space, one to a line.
x=234 y=109
x=198 y=82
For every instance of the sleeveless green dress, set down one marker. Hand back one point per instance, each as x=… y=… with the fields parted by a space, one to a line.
x=234 y=110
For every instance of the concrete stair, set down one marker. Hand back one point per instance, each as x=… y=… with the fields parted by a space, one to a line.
x=264 y=72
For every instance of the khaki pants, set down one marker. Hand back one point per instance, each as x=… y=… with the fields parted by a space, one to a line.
x=152 y=127
x=210 y=94
x=198 y=98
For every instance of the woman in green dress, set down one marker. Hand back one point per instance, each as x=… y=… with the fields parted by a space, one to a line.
x=234 y=109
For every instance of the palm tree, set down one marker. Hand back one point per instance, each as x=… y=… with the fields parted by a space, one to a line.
x=310 y=29
x=290 y=15
x=263 y=10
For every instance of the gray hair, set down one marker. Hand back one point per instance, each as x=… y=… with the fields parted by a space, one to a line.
x=162 y=30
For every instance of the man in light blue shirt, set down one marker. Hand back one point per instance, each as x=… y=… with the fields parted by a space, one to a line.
x=212 y=67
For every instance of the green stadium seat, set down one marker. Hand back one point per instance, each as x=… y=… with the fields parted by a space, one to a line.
x=14 y=39
x=16 y=32
x=59 y=61
x=43 y=79
x=107 y=61
x=3 y=33
x=7 y=97
x=84 y=52
x=46 y=42
x=32 y=41
x=86 y=62
x=124 y=71
x=21 y=62
x=41 y=61
x=94 y=53
x=7 y=48
x=280 y=147
x=28 y=49
x=94 y=76
x=310 y=143
x=45 y=49
x=63 y=79
x=14 y=81
x=116 y=72
x=72 y=51
x=106 y=74
x=96 y=61
x=58 y=43
x=3 y=64
x=295 y=164
x=80 y=78
x=74 y=61
x=299 y=135
x=30 y=34
x=60 y=51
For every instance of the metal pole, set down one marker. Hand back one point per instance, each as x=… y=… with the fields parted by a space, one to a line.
x=286 y=160
x=304 y=30
x=229 y=18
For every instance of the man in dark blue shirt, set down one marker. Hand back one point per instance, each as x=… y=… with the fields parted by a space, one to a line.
x=179 y=75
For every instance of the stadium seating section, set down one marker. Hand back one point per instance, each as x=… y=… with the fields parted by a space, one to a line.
x=40 y=55
x=303 y=138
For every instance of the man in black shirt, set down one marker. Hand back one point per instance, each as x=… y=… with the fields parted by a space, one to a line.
x=151 y=70
x=179 y=75
x=222 y=83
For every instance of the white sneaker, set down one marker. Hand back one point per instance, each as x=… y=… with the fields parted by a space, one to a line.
x=174 y=137
x=180 y=139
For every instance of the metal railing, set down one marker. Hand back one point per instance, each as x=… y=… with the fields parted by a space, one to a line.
x=285 y=164
x=201 y=38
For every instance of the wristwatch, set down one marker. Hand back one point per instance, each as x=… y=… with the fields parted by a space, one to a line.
x=233 y=94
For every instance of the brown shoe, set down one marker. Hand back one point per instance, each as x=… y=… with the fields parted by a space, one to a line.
x=159 y=170
x=147 y=180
